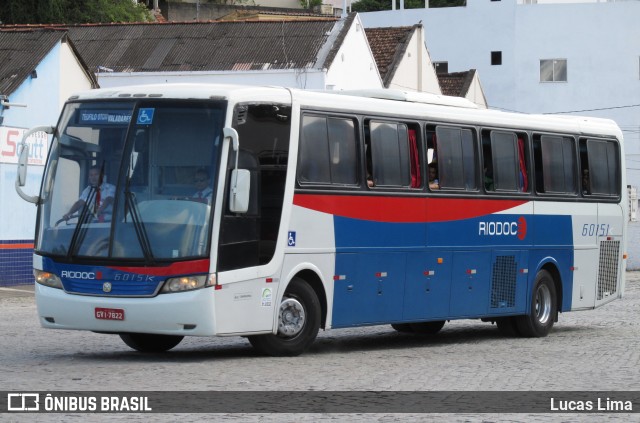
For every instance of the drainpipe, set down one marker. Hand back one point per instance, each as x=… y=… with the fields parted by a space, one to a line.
x=420 y=56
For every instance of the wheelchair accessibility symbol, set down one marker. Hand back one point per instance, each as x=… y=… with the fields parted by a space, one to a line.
x=292 y=239
x=145 y=116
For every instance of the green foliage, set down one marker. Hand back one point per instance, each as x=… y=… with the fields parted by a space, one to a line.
x=72 y=11
x=310 y=4
x=377 y=5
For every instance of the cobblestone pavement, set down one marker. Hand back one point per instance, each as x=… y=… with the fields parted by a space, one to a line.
x=586 y=351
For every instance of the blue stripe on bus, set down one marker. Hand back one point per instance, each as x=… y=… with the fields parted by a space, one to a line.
x=479 y=267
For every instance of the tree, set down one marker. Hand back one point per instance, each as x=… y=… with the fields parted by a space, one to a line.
x=72 y=11
x=377 y=5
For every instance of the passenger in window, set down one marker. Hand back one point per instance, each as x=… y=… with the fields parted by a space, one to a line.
x=370 y=182
x=585 y=181
x=202 y=182
x=99 y=193
x=488 y=179
x=434 y=183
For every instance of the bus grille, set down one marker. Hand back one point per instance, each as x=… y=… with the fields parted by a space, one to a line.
x=608 y=268
x=503 y=282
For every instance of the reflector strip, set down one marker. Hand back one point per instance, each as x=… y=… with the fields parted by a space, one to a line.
x=429 y=272
x=339 y=277
x=381 y=275
x=471 y=271
x=524 y=271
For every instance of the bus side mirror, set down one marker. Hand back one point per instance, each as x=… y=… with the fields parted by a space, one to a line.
x=240 y=178
x=239 y=191
x=23 y=162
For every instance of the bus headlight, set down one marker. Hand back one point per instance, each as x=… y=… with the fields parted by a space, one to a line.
x=47 y=278
x=187 y=283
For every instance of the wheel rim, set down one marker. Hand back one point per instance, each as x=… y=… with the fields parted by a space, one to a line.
x=543 y=304
x=291 y=318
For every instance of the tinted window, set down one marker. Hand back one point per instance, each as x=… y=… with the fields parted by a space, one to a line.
x=557 y=164
x=456 y=158
x=390 y=154
x=328 y=151
x=603 y=167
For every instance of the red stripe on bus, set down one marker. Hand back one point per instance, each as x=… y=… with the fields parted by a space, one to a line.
x=179 y=268
x=403 y=209
x=16 y=246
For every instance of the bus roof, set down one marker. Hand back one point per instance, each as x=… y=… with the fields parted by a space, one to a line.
x=404 y=104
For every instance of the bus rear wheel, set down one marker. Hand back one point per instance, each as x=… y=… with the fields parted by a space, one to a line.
x=150 y=343
x=298 y=322
x=544 y=307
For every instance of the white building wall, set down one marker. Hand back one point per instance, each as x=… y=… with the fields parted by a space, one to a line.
x=354 y=66
x=416 y=71
x=601 y=42
x=57 y=76
x=73 y=77
x=41 y=95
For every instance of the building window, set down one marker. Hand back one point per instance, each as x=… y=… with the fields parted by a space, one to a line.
x=441 y=67
x=553 y=70
x=496 y=58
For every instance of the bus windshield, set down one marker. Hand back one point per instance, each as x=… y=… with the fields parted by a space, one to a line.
x=131 y=180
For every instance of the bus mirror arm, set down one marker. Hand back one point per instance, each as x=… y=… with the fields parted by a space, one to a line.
x=23 y=161
x=240 y=178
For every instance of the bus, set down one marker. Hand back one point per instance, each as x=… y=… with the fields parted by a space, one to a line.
x=325 y=210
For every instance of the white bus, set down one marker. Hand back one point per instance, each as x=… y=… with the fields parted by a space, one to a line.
x=323 y=210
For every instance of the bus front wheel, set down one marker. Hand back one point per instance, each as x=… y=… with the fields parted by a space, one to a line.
x=298 y=322
x=544 y=308
x=146 y=342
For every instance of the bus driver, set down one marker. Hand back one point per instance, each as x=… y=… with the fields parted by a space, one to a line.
x=104 y=194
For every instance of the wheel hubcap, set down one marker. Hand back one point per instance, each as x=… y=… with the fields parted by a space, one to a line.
x=543 y=304
x=291 y=317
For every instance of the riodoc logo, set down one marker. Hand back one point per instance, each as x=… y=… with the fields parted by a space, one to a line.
x=71 y=274
x=509 y=228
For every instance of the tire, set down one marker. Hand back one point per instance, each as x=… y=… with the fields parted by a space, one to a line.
x=149 y=343
x=544 y=308
x=402 y=327
x=427 y=328
x=298 y=323
x=508 y=326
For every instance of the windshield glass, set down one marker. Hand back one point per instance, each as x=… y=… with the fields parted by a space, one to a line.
x=131 y=180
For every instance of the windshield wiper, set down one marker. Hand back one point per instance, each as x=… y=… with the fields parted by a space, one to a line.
x=131 y=207
x=81 y=228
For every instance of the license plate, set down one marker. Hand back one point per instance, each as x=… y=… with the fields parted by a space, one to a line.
x=109 y=313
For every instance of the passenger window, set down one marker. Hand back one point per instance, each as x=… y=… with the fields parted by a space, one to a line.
x=328 y=151
x=393 y=158
x=455 y=157
x=600 y=158
x=555 y=160
x=505 y=161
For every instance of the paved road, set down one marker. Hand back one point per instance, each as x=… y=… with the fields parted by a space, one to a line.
x=592 y=350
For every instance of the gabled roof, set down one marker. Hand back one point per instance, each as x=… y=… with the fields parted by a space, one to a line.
x=209 y=46
x=388 y=46
x=456 y=84
x=21 y=52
